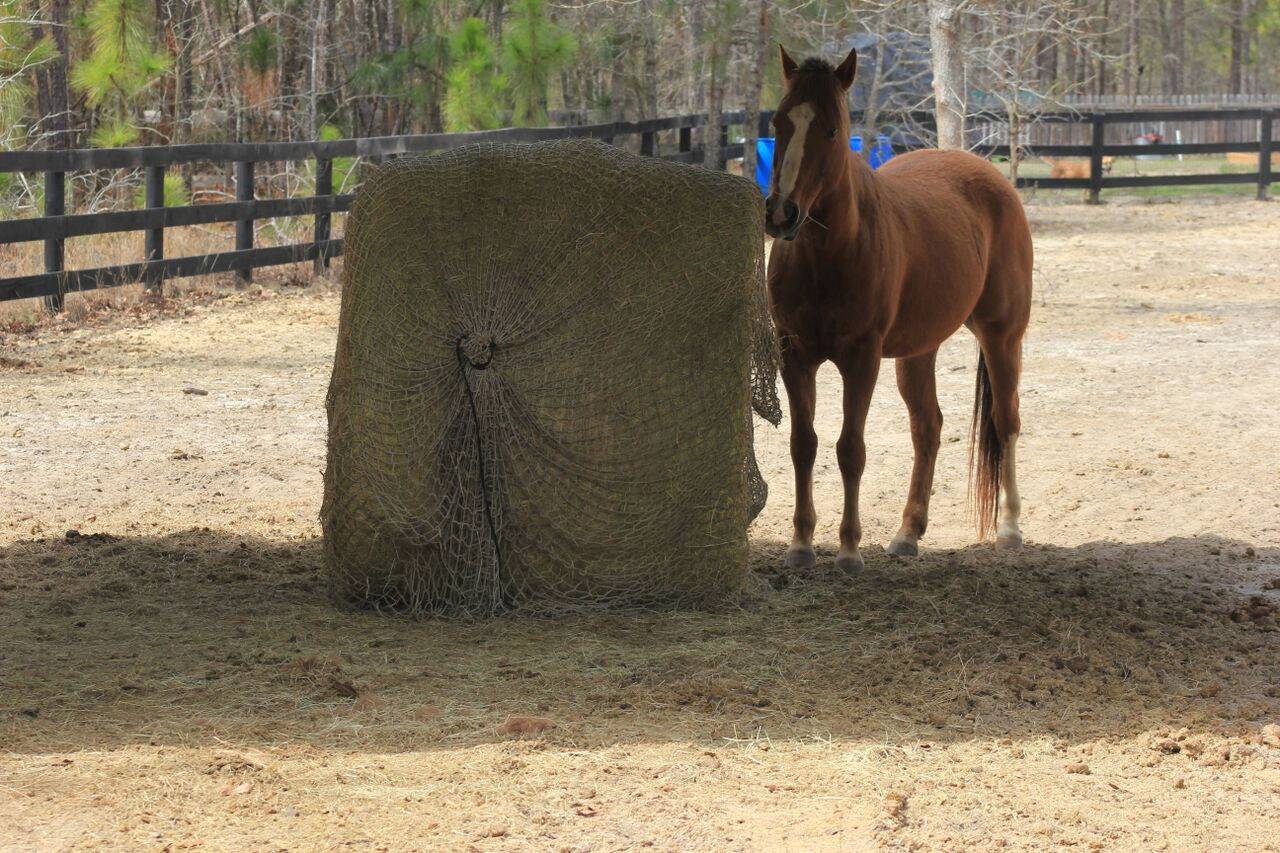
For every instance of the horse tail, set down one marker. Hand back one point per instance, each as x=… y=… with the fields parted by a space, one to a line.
x=986 y=452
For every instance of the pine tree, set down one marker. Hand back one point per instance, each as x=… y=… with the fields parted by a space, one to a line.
x=258 y=84
x=122 y=64
x=473 y=98
x=176 y=193
x=410 y=74
x=534 y=50
x=20 y=56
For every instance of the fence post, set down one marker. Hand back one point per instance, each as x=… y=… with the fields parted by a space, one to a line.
x=686 y=139
x=1264 y=154
x=155 y=236
x=648 y=143
x=324 y=188
x=55 y=204
x=244 y=225
x=722 y=158
x=1095 y=158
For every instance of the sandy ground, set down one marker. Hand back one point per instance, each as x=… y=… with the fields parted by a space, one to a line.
x=173 y=677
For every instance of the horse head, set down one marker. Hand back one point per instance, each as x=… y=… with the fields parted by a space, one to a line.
x=811 y=125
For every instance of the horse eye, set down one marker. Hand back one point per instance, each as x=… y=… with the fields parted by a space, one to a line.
x=831 y=134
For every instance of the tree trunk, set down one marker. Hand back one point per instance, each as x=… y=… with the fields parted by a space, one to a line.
x=1015 y=147
x=1047 y=62
x=755 y=88
x=316 y=82
x=715 y=107
x=184 y=42
x=1133 y=70
x=1100 y=74
x=1239 y=11
x=568 y=84
x=649 y=85
x=1171 y=30
x=949 y=88
x=871 y=110
x=52 y=98
x=618 y=80
x=696 y=90
x=1177 y=44
x=224 y=81
x=716 y=59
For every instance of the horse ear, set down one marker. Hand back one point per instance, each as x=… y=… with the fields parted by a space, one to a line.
x=789 y=66
x=848 y=69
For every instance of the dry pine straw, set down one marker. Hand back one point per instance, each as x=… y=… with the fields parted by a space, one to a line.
x=192 y=686
x=166 y=677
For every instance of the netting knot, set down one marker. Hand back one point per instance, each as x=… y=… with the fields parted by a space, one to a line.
x=476 y=353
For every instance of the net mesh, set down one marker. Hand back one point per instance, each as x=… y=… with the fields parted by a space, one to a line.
x=541 y=398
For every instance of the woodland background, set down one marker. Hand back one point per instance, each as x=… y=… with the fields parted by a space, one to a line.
x=77 y=73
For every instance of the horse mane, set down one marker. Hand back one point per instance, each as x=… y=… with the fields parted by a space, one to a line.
x=815 y=64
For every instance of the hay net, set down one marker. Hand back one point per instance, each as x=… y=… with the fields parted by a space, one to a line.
x=547 y=360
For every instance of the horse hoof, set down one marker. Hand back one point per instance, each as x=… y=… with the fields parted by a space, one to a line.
x=850 y=564
x=903 y=547
x=1009 y=541
x=800 y=557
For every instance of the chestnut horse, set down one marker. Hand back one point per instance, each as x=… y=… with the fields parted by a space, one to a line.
x=888 y=264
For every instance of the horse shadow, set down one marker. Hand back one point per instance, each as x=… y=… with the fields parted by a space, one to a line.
x=203 y=634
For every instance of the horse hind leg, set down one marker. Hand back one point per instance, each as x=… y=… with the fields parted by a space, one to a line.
x=997 y=425
x=999 y=321
x=1008 y=533
x=917 y=384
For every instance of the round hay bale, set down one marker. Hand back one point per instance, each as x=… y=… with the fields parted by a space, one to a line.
x=541 y=394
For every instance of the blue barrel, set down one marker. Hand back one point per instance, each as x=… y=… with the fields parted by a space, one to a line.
x=879 y=155
x=764 y=162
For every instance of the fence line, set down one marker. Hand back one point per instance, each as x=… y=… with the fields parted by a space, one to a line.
x=1112 y=102
x=1163 y=119
x=1093 y=135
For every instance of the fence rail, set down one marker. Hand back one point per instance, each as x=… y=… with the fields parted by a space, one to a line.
x=1212 y=99
x=55 y=227
x=1188 y=119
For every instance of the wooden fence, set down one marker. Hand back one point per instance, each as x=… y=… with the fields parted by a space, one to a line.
x=55 y=226
x=670 y=138
x=1167 y=124
x=1156 y=100
x=1102 y=143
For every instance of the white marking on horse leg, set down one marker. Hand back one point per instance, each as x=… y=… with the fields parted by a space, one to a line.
x=1008 y=534
x=801 y=116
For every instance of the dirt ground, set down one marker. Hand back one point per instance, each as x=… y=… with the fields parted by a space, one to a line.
x=172 y=675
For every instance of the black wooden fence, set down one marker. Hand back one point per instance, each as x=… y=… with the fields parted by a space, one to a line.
x=55 y=227
x=670 y=138
x=1263 y=145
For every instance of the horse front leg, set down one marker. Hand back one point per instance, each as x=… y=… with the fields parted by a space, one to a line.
x=859 y=369
x=800 y=379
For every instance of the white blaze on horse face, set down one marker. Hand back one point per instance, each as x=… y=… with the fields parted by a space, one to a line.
x=801 y=116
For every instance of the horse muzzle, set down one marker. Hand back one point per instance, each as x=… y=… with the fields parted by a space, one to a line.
x=782 y=220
